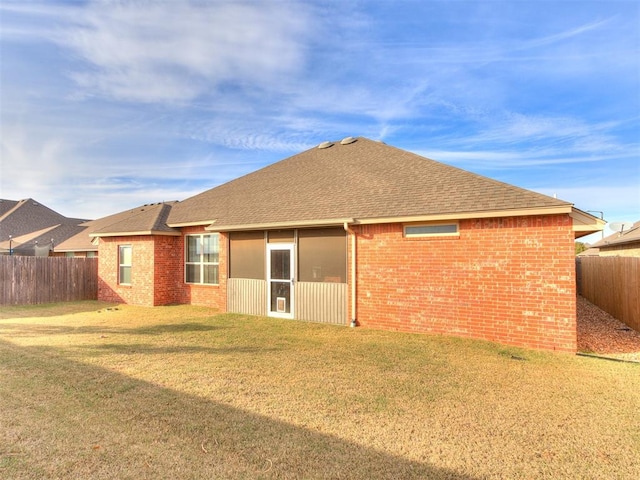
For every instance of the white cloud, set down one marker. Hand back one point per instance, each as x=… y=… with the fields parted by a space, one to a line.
x=141 y=100
x=175 y=51
x=30 y=164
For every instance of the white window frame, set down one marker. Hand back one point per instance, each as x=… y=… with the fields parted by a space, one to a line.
x=121 y=264
x=201 y=263
x=435 y=234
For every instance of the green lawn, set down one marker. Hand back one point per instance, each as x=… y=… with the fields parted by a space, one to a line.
x=90 y=392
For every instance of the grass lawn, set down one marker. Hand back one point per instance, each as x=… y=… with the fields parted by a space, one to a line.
x=89 y=392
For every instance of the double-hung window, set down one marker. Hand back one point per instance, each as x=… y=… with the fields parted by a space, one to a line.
x=124 y=264
x=202 y=259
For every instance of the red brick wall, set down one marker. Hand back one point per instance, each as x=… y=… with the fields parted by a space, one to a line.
x=207 y=295
x=509 y=280
x=157 y=273
x=168 y=270
x=141 y=290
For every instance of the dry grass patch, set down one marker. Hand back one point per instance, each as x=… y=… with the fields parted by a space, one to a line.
x=183 y=392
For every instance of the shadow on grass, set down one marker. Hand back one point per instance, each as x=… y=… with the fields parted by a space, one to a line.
x=64 y=418
x=31 y=330
x=141 y=348
x=43 y=310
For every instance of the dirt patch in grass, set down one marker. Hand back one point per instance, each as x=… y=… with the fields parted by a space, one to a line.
x=181 y=392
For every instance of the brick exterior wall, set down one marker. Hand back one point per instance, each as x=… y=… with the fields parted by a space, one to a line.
x=141 y=290
x=508 y=280
x=625 y=250
x=206 y=295
x=168 y=271
x=157 y=272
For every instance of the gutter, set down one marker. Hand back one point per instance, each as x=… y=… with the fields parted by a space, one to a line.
x=327 y=222
x=353 y=272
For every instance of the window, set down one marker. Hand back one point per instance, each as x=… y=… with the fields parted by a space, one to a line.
x=202 y=259
x=124 y=264
x=431 y=230
x=246 y=255
x=322 y=255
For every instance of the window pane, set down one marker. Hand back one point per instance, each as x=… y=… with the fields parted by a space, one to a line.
x=280 y=264
x=431 y=229
x=192 y=273
x=210 y=274
x=124 y=264
x=193 y=249
x=210 y=248
x=322 y=255
x=125 y=275
x=247 y=255
x=125 y=255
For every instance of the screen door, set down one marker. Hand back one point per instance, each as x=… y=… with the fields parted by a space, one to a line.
x=280 y=267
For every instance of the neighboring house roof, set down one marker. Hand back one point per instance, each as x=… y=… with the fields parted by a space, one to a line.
x=356 y=180
x=72 y=238
x=25 y=243
x=6 y=205
x=27 y=216
x=589 y=252
x=620 y=238
x=29 y=223
x=150 y=219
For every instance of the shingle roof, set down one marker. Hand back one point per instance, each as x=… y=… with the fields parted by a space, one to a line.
x=363 y=179
x=28 y=221
x=631 y=235
x=146 y=219
x=6 y=206
x=26 y=216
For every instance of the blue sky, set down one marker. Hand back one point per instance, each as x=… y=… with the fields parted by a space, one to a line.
x=107 y=105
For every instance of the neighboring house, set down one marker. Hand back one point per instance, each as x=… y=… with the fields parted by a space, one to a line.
x=625 y=243
x=29 y=228
x=359 y=232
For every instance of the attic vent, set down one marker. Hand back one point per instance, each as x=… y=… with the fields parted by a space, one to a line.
x=348 y=140
x=325 y=145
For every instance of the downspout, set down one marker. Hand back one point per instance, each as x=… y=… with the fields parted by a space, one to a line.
x=353 y=273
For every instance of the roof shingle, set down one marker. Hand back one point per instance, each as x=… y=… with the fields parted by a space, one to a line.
x=360 y=180
x=146 y=219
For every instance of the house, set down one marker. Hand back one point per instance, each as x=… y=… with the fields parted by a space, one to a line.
x=359 y=232
x=623 y=243
x=28 y=227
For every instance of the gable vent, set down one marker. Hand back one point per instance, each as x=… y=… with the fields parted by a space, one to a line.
x=348 y=140
x=325 y=145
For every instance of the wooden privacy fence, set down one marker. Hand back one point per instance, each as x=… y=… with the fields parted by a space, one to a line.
x=31 y=280
x=613 y=284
